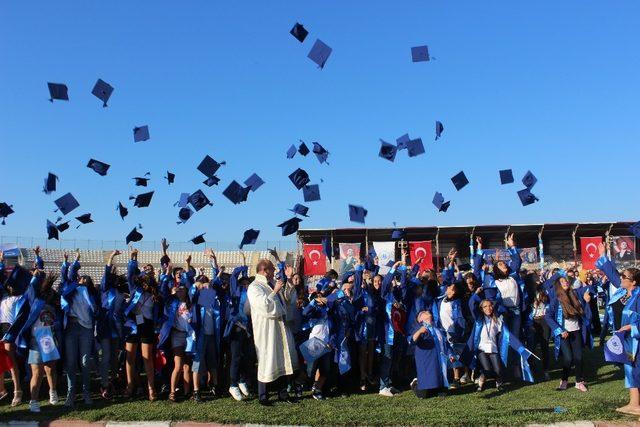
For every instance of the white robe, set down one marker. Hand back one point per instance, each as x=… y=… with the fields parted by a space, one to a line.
x=274 y=342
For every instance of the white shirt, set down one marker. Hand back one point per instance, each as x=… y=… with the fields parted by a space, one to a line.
x=7 y=309
x=489 y=335
x=446 y=316
x=145 y=306
x=509 y=290
x=571 y=325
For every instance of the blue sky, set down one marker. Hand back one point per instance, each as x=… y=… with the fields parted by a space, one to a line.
x=547 y=86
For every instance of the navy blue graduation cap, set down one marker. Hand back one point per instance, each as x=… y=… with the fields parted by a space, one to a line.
x=303 y=149
x=62 y=227
x=250 y=237
x=254 y=182
x=635 y=229
x=50 y=183
x=459 y=180
x=98 y=167
x=397 y=234
x=122 y=210
x=439 y=129
x=415 y=147
x=326 y=247
x=199 y=239
x=52 y=231
x=184 y=214
x=84 y=219
x=66 y=203
x=299 y=209
x=5 y=211
x=184 y=200
x=490 y=294
x=290 y=226
x=58 y=91
x=140 y=133
x=199 y=200
x=102 y=90
x=291 y=152
x=440 y=204
x=320 y=152
x=357 y=213
x=209 y=167
x=527 y=197
x=311 y=193
x=529 y=180
x=319 y=53
x=506 y=176
x=236 y=193
x=403 y=142
x=141 y=181
x=299 y=32
x=211 y=181
x=420 y=54
x=142 y=200
x=134 y=236
x=171 y=177
x=387 y=151
x=299 y=178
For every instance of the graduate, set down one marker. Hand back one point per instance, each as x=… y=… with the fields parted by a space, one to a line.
x=541 y=330
x=317 y=315
x=9 y=296
x=431 y=353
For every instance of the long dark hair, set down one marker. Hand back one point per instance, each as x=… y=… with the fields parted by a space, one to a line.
x=47 y=292
x=150 y=285
x=568 y=299
x=498 y=274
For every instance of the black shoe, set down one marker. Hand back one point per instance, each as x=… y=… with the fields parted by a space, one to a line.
x=284 y=397
x=213 y=393
x=265 y=402
x=196 y=397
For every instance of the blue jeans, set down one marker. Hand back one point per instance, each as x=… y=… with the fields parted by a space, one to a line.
x=78 y=344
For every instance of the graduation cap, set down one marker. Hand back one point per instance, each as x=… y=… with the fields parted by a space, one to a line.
x=291 y=152
x=319 y=53
x=415 y=147
x=52 y=231
x=357 y=213
x=303 y=149
x=490 y=294
x=403 y=142
x=171 y=177
x=184 y=214
x=326 y=247
x=420 y=54
x=527 y=197
x=390 y=263
x=99 y=167
x=199 y=200
x=102 y=90
x=254 y=182
x=134 y=236
x=122 y=210
x=209 y=167
x=299 y=32
x=58 y=91
x=62 y=227
x=635 y=229
x=299 y=178
x=397 y=234
x=439 y=203
x=5 y=211
x=211 y=181
x=84 y=219
x=311 y=193
x=459 y=180
x=50 y=183
x=506 y=176
x=199 y=239
x=140 y=133
x=236 y=193
x=529 y=180
x=250 y=237
x=320 y=152
x=184 y=200
x=290 y=226
x=66 y=203
x=387 y=151
x=141 y=181
x=299 y=209
x=439 y=129
x=142 y=200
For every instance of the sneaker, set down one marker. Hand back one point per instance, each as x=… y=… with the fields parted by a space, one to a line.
x=414 y=384
x=298 y=391
x=385 y=392
x=499 y=386
x=34 y=406
x=317 y=394
x=563 y=385
x=213 y=393
x=70 y=402
x=87 y=399
x=243 y=388
x=547 y=377
x=17 y=398
x=454 y=385
x=480 y=386
x=394 y=390
x=465 y=379
x=53 y=398
x=235 y=393
x=581 y=386
x=105 y=393
x=196 y=396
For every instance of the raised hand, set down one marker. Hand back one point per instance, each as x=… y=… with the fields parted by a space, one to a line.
x=65 y=256
x=165 y=245
x=36 y=250
x=452 y=254
x=77 y=254
x=511 y=240
x=479 y=242
x=601 y=249
x=288 y=271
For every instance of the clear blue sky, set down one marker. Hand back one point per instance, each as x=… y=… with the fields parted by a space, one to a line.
x=547 y=86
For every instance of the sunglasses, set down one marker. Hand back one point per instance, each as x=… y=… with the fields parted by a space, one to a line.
x=626 y=277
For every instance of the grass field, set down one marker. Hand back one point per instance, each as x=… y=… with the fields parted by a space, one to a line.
x=515 y=405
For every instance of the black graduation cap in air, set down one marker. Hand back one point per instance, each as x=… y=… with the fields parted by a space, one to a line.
x=66 y=203
x=357 y=213
x=134 y=236
x=403 y=142
x=439 y=129
x=420 y=54
x=529 y=180
x=299 y=32
x=250 y=237
x=299 y=209
x=52 y=231
x=319 y=53
x=387 y=151
x=5 y=211
x=62 y=227
x=506 y=176
x=459 y=180
x=291 y=152
x=211 y=181
x=236 y=193
x=254 y=182
x=320 y=152
x=311 y=193
x=171 y=177
x=208 y=166
x=184 y=214
x=199 y=239
x=303 y=149
x=439 y=203
x=58 y=91
x=142 y=200
x=415 y=147
x=122 y=211
x=140 y=133
x=102 y=90
x=290 y=226
x=299 y=178
x=99 y=167
x=397 y=234
x=141 y=181
x=527 y=197
x=50 y=183
x=199 y=200
x=84 y=219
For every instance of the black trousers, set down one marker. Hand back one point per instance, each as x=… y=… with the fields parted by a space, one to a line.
x=279 y=384
x=541 y=339
x=491 y=363
x=571 y=350
x=240 y=349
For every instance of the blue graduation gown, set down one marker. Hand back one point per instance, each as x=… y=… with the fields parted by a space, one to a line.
x=431 y=353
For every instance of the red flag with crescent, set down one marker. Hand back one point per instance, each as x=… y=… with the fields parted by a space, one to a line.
x=589 y=251
x=315 y=261
x=422 y=250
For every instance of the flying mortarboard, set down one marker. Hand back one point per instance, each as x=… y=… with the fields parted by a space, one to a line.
x=50 y=183
x=299 y=32
x=403 y=141
x=236 y=193
x=98 y=167
x=250 y=237
x=84 y=219
x=184 y=214
x=254 y=182
x=303 y=149
x=184 y=200
x=311 y=193
x=171 y=177
x=415 y=147
x=299 y=178
x=140 y=133
x=506 y=176
x=62 y=227
x=211 y=181
x=5 y=211
x=299 y=209
x=529 y=180
x=290 y=226
x=319 y=53
x=122 y=210
x=420 y=54
x=52 y=231
x=387 y=151
x=357 y=213
x=199 y=200
x=459 y=180
x=134 y=236
x=320 y=152
x=439 y=129
x=141 y=181
x=209 y=167
x=199 y=239
x=397 y=234
x=142 y=200
x=102 y=90
x=58 y=91
x=527 y=197
x=440 y=204
x=291 y=152
x=66 y=203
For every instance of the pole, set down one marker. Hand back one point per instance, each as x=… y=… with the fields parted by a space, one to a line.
x=541 y=248
x=438 y=249
x=575 y=246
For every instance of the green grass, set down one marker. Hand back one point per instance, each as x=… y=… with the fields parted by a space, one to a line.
x=516 y=405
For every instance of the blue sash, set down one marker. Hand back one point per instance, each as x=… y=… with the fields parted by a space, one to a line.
x=438 y=339
x=46 y=344
x=389 y=332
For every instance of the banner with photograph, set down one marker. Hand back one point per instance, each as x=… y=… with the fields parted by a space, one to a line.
x=529 y=255
x=623 y=249
x=386 y=251
x=349 y=256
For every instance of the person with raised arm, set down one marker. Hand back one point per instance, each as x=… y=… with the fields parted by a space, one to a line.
x=8 y=307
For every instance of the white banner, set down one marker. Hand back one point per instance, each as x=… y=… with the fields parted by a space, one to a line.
x=385 y=251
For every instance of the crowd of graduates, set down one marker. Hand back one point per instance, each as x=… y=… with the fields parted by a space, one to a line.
x=190 y=330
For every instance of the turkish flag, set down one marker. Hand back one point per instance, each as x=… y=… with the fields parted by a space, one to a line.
x=421 y=250
x=315 y=261
x=589 y=251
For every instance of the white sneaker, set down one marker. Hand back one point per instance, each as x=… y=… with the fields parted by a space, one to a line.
x=235 y=393
x=414 y=384
x=243 y=388
x=385 y=392
x=53 y=398
x=34 y=406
